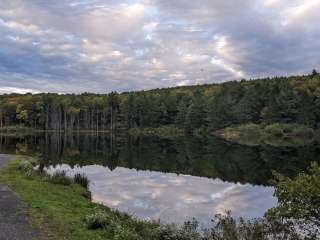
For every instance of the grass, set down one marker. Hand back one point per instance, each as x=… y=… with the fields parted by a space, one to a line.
x=82 y=180
x=64 y=205
x=59 y=177
x=63 y=212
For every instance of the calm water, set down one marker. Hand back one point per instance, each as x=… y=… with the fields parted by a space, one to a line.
x=170 y=180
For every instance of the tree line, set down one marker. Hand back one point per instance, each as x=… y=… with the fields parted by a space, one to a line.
x=294 y=99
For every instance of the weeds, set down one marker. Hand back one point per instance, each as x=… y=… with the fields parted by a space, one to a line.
x=82 y=180
x=59 y=177
x=97 y=220
x=27 y=168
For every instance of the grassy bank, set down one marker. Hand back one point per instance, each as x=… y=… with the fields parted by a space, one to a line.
x=61 y=207
x=274 y=134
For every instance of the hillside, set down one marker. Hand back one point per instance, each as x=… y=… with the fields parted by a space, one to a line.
x=294 y=99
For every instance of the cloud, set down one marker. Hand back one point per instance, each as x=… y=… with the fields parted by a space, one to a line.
x=100 y=45
x=304 y=14
x=4 y=90
x=171 y=197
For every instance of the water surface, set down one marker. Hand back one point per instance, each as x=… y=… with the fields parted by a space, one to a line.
x=171 y=180
x=170 y=197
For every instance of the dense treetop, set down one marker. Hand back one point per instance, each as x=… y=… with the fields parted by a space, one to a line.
x=294 y=99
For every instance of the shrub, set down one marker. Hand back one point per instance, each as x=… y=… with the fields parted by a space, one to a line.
x=81 y=179
x=274 y=130
x=59 y=177
x=97 y=220
x=189 y=231
x=299 y=201
x=25 y=166
x=166 y=232
x=123 y=233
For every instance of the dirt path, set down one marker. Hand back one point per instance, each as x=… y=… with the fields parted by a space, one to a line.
x=13 y=219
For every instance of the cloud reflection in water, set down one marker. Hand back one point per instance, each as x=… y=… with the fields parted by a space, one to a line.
x=171 y=197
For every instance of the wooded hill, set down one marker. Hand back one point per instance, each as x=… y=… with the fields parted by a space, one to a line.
x=294 y=99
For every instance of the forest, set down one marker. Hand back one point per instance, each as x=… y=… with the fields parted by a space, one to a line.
x=294 y=99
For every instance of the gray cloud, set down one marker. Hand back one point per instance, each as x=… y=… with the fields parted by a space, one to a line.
x=105 y=45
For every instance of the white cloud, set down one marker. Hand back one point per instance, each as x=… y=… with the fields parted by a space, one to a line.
x=116 y=54
x=271 y=3
x=100 y=45
x=307 y=12
x=21 y=27
x=177 y=76
x=4 y=90
x=228 y=67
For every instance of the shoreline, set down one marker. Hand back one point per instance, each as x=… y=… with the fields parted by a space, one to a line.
x=62 y=208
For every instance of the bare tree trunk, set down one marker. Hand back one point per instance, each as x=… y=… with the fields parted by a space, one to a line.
x=65 y=119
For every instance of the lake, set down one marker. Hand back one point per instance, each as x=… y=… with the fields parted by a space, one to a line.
x=171 y=180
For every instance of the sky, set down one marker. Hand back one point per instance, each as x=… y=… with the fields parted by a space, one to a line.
x=75 y=46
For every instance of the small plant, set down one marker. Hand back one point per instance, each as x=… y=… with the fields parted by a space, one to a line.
x=122 y=233
x=167 y=232
x=25 y=166
x=82 y=180
x=59 y=177
x=97 y=220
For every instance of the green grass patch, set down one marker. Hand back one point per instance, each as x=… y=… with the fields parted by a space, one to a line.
x=59 y=209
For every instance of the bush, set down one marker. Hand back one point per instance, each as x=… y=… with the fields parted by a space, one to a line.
x=189 y=231
x=82 y=180
x=165 y=232
x=26 y=167
x=97 y=220
x=123 y=233
x=59 y=177
x=299 y=201
x=275 y=130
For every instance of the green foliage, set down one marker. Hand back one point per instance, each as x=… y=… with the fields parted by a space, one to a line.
x=181 y=115
x=96 y=220
x=123 y=233
x=188 y=231
x=275 y=130
x=264 y=101
x=299 y=201
x=26 y=167
x=59 y=177
x=228 y=228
